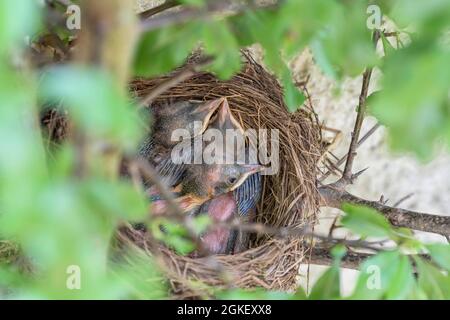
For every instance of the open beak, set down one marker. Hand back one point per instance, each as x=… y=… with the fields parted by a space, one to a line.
x=247 y=170
x=226 y=119
x=208 y=109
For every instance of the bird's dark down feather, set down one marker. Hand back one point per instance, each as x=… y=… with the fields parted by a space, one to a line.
x=248 y=194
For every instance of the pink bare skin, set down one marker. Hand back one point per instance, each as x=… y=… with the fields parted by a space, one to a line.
x=220 y=209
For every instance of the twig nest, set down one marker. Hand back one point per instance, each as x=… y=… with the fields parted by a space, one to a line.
x=289 y=198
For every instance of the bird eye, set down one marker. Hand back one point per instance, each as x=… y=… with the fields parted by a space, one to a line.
x=232 y=180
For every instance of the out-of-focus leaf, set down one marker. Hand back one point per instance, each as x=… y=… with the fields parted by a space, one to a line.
x=402 y=284
x=17 y=18
x=432 y=282
x=293 y=97
x=338 y=252
x=322 y=59
x=256 y=294
x=221 y=44
x=426 y=16
x=441 y=254
x=201 y=223
x=139 y=276
x=387 y=46
x=328 y=285
x=118 y=199
x=196 y=3
x=300 y=294
x=384 y=275
x=94 y=103
x=172 y=234
x=342 y=43
x=161 y=51
x=365 y=221
x=414 y=103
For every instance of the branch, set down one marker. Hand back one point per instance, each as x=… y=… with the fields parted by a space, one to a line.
x=152 y=176
x=321 y=255
x=169 y=4
x=348 y=177
x=184 y=15
x=360 y=142
x=306 y=231
x=334 y=197
x=190 y=13
x=180 y=76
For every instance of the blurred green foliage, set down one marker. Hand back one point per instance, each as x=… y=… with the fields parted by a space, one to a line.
x=63 y=211
x=58 y=218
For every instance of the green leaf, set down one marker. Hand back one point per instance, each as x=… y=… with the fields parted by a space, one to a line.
x=201 y=223
x=328 y=285
x=402 y=285
x=300 y=294
x=322 y=59
x=118 y=199
x=338 y=252
x=173 y=235
x=416 y=112
x=293 y=97
x=385 y=275
x=254 y=294
x=165 y=49
x=431 y=281
x=196 y=3
x=222 y=45
x=387 y=46
x=441 y=254
x=95 y=103
x=365 y=221
x=17 y=18
x=344 y=43
x=139 y=277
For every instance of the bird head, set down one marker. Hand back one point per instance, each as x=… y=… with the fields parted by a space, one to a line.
x=183 y=115
x=221 y=179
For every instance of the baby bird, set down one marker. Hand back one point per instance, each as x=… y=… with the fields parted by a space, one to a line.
x=167 y=118
x=232 y=190
x=206 y=181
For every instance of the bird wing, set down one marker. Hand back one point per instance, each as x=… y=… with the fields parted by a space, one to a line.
x=248 y=194
x=171 y=173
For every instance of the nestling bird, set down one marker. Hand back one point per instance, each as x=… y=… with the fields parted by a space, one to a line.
x=223 y=190
x=168 y=118
x=241 y=204
x=233 y=189
x=206 y=181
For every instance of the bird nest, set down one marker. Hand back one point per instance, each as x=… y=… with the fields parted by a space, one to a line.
x=289 y=199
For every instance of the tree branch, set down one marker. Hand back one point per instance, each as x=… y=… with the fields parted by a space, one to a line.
x=190 y=13
x=182 y=75
x=169 y=4
x=348 y=177
x=321 y=255
x=184 y=15
x=360 y=142
x=335 y=197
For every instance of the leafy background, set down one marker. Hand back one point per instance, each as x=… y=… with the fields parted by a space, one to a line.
x=65 y=213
